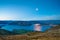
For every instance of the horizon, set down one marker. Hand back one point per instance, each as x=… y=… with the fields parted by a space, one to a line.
x=29 y=20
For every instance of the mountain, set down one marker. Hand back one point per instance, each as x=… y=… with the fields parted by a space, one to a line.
x=29 y=23
x=42 y=22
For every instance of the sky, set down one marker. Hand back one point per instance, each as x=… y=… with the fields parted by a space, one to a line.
x=29 y=10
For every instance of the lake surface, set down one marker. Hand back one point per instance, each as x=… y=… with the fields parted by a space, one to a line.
x=12 y=27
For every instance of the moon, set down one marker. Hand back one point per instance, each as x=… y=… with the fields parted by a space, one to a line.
x=37 y=9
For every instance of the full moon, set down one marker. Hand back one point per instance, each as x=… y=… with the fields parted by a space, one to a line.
x=36 y=9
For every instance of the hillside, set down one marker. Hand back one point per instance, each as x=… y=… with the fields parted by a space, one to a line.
x=21 y=31
x=50 y=34
x=5 y=32
x=54 y=31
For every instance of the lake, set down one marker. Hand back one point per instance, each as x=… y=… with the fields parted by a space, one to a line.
x=12 y=27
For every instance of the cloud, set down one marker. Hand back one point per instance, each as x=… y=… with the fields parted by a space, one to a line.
x=52 y=17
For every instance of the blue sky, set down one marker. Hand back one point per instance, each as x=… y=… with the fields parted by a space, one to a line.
x=26 y=9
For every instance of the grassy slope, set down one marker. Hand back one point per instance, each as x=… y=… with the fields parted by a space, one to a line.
x=50 y=34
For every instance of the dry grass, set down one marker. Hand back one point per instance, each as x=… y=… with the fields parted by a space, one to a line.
x=22 y=37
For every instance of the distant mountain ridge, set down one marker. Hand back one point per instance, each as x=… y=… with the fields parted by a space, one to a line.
x=29 y=23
